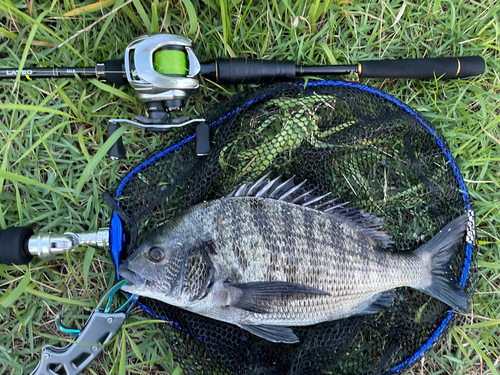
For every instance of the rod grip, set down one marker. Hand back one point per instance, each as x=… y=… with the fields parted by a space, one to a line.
x=117 y=151
x=448 y=67
x=14 y=245
x=242 y=71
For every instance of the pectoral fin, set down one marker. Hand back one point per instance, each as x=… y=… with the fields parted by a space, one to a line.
x=272 y=333
x=258 y=296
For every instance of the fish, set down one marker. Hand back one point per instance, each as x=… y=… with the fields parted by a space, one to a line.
x=272 y=255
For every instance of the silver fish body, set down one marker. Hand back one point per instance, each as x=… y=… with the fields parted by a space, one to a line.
x=265 y=263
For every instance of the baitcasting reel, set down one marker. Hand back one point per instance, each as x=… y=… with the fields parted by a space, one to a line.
x=164 y=72
x=157 y=69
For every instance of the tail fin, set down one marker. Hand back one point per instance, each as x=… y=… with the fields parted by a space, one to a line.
x=437 y=253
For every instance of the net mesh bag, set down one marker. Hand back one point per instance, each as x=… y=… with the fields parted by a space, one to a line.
x=364 y=147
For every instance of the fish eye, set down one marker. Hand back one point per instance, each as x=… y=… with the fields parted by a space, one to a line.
x=155 y=254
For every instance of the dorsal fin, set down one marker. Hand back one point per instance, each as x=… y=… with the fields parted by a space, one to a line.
x=287 y=191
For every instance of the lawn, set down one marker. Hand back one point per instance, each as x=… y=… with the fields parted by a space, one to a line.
x=54 y=169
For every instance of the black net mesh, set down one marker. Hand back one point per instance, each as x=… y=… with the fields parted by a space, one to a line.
x=359 y=144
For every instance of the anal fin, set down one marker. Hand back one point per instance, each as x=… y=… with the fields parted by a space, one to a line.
x=379 y=302
x=272 y=333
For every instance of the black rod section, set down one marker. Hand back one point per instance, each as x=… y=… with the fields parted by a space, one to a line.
x=240 y=71
x=332 y=70
x=244 y=71
x=29 y=73
x=112 y=71
x=14 y=245
x=445 y=67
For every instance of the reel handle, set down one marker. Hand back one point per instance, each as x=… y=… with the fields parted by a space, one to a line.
x=448 y=67
x=14 y=245
x=117 y=151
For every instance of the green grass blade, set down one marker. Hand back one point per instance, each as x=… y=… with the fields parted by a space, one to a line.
x=134 y=347
x=224 y=13
x=73 y=107
x=89 y=8
x=19 y=205
x=488 y=323
x=131 y=16
x=54 y=162
x=28 y=119
x=72 y=269
x=192 y=16
x=462 y=349
x=143 y=322
x=492 y=266
x=89 y=255
x=28 y=44
x=57 y=299
x=155 y=24
x=123 y=357
x=4 y=33
x=35 y=108
x=479 y=351
x=92 y=165
x=9 y=298
x=82 y=144
x=28 y=181
x=11 y=8
x=142 y=13
x=112 y=90
x=106 y=24
x=5 y=162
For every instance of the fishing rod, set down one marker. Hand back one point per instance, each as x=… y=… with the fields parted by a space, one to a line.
x=164 y=72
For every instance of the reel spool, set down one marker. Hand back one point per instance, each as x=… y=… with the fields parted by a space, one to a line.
x=171 y=61
x=155 y=80
x=357 y=143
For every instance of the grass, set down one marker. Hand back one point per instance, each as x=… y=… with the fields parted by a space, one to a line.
x=53 y=167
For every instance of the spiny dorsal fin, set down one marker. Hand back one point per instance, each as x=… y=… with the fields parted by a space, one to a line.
x=288 y=191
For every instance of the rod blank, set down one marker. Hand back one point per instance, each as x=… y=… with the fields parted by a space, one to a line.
x=110 y=71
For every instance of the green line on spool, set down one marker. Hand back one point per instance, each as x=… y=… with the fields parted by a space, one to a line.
x=171 y=62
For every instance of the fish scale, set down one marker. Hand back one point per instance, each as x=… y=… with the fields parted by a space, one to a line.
x=266 y=232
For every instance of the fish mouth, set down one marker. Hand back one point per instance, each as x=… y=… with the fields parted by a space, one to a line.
x=135 y=280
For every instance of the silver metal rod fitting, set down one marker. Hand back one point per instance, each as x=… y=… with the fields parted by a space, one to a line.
x=48 y=244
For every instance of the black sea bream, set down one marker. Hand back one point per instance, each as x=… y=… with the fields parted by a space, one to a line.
x=271 y=255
